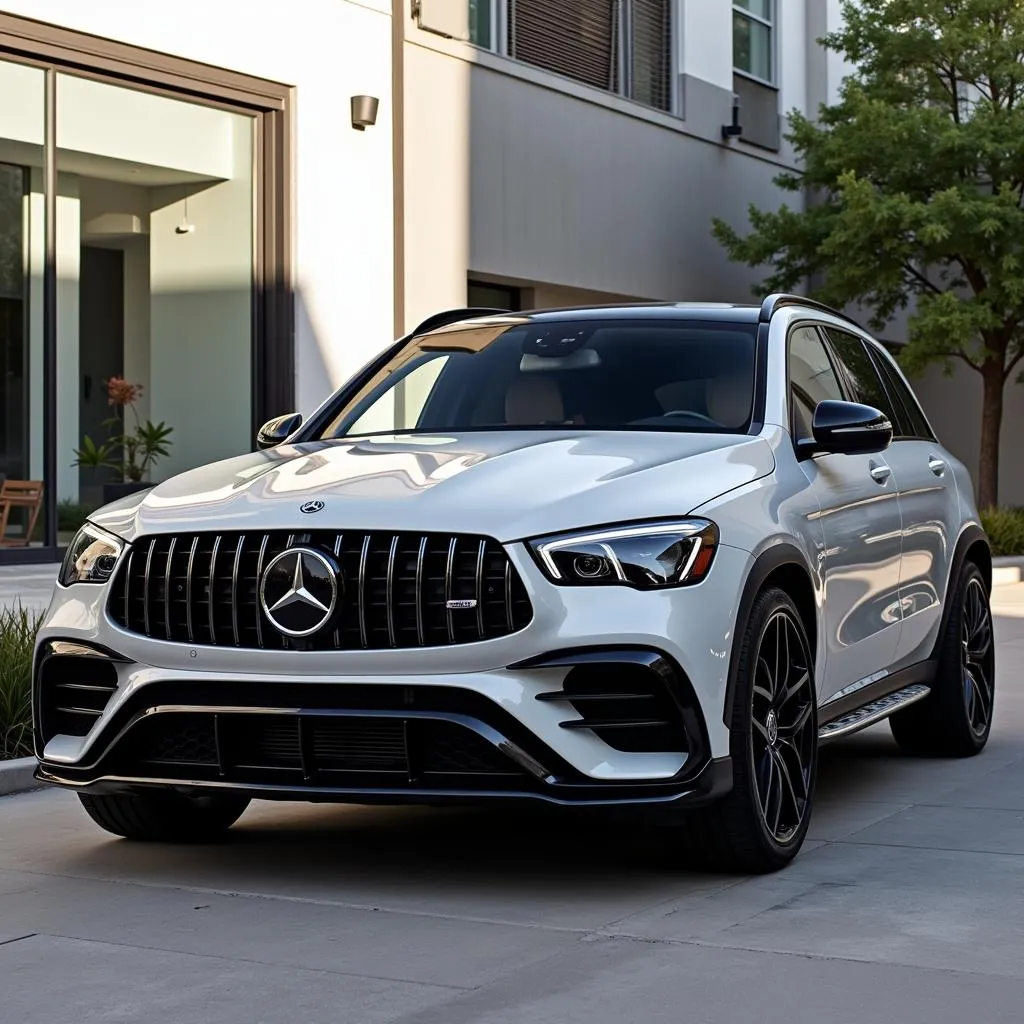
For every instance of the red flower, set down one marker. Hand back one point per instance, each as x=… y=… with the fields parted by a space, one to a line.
x=120 y=392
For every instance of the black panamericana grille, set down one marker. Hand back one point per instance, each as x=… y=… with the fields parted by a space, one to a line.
x=203 y=588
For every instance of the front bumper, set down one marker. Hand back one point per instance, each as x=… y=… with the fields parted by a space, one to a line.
x=273 y=722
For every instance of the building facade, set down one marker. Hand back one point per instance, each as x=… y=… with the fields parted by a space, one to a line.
x=158 y=223
x=187 y=203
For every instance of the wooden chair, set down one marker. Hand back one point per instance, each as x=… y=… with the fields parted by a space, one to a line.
x=26 y=494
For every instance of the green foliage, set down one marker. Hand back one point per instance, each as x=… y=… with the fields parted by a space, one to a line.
x=17 y=638
x=915 y=187
x=96 y=456
x=142 y=448
x=1005 y=529
x=72 y=514
x=129 y=452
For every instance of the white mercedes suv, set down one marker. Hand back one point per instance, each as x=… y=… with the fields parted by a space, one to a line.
x=647 y=556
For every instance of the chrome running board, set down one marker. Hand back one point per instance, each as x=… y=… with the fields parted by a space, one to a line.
x=873 y=712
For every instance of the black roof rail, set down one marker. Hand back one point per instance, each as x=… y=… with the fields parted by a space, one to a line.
x=451 y=316
x=773 y=303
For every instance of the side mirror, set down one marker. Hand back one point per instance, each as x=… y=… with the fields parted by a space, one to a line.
x=848 y=428
x=277 y=430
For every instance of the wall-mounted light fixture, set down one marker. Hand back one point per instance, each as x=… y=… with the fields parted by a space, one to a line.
x=185 y=227
x=364 y=112
x=734 y=130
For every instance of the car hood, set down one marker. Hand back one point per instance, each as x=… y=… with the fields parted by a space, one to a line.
x=503 y=484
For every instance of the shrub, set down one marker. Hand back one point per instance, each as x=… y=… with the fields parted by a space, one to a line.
x=17 y=636
x=71 y=515
x=1005 y=529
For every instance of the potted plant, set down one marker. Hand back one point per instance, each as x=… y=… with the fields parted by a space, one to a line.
x=130 y=453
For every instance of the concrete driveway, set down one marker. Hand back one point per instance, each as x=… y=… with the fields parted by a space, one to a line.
x=906 y=906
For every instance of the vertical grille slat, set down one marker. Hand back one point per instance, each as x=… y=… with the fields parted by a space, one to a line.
x=167 y=589
x=259 y=576
x=204 y=589
x=480 y=555
x=418 y=595
x=361 y=592
x=211 y=596
x=448 y=573
x=188 y=588
x=145 y=586
x=336 y=548
x=128 y=589
x=392 y=552
x=234 y=589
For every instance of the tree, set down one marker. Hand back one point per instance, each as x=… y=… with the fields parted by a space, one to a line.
x=915 y=190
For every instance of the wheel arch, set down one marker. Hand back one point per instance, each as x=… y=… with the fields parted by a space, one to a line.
x=785 y=566
x=971 y=546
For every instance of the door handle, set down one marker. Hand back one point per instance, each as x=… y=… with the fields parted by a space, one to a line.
x=880 y=472
x=936 y=465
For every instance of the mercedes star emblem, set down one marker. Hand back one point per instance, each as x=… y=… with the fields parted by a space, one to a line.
x=311 y=506
x=299 y=591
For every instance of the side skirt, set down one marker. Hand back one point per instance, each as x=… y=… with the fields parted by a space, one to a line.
x=872 y=702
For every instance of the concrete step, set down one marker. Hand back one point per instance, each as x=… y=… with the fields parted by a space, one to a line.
x=1007 y=571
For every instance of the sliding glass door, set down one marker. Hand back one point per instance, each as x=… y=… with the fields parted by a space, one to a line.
x=155 y=267
x=22 y=134
x=144 y=247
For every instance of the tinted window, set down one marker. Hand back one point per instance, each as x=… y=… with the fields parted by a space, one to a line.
x=607 y=375
x=811 y=379
x=865 y=385
x=916 y=425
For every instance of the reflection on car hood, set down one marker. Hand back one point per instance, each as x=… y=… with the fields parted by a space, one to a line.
x=506 y=484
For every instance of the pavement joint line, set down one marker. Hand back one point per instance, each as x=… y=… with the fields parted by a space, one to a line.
x=314 y=901
x=934 y=849
x=800 y=954
x=244 y=960
x=674 y=899
x=18 y=938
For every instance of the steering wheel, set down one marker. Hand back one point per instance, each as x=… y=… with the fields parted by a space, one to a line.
x=699 y=416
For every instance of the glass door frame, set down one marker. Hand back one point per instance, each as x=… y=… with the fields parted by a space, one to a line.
x=59 y=50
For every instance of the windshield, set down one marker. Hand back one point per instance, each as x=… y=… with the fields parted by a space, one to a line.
x=599 y=375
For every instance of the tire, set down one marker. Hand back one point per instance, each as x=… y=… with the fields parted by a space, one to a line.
x=165 y=816
x=761 y=824
x=955 y=719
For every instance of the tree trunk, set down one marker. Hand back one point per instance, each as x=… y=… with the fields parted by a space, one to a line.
x=991 y=421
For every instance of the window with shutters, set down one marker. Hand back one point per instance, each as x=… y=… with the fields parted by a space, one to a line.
x=753 y=45
x=620 y=46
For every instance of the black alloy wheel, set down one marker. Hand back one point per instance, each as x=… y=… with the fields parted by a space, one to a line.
x=761 y=823
x=977 y=657
x=783 y=740
x=955 y=719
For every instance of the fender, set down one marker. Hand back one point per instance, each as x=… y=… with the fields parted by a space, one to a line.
x=969 y=536
x=774 y=558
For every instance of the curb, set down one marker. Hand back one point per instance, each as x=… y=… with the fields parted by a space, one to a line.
x=1007 y=571
x=18 y=776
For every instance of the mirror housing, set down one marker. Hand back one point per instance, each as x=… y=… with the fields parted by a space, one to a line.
x=848 y=428
x=278 y=430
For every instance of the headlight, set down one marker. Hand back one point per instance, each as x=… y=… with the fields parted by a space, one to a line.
x=646 y=555
x=91 y=557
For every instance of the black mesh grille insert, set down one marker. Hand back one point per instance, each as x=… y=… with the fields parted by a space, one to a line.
x=296 y=747
x=397 y=590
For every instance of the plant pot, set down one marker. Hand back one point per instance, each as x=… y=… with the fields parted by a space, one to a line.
x=114 y=491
